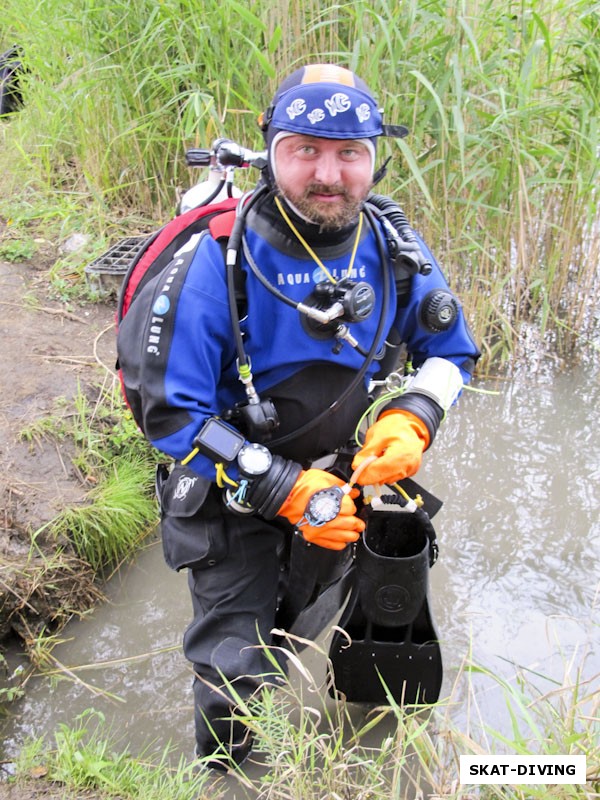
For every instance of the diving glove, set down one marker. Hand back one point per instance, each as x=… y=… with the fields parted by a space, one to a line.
x=338 y=532
x=398 y=440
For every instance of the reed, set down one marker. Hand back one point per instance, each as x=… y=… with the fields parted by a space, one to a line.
x=499 y=171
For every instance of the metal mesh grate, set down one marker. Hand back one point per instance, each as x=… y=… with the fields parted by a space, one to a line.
x=116 y=260
x=105 y=274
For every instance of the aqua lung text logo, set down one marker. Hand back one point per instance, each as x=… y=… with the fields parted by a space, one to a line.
x=162 y=304
x=317 y=276
x=160 y=310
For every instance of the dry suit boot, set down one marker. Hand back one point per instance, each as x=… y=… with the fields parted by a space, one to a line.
x=390 y=648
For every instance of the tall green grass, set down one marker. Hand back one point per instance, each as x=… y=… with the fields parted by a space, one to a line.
x=499 y=171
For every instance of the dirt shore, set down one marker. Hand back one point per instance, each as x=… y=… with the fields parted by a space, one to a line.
x=48 y=349
x=30 y=790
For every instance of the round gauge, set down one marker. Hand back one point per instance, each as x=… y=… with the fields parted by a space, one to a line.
x=254 y=459
x=323 y=506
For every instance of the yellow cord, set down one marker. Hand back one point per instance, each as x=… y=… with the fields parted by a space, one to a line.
x=189 y=456
x=356 y=241
x=223 y=477
x=417 y=499
x=309 y=249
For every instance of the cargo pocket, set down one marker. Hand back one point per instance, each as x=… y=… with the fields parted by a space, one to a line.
x=191 y=520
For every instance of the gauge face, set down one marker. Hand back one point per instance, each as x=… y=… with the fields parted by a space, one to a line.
x=254 y=459
x=324 y=506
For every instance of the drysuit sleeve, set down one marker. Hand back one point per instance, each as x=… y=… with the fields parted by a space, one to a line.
x=186 y=348
x=432 y=324
x=424 y=335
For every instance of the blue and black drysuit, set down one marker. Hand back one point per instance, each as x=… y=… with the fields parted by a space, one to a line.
x=184 y=371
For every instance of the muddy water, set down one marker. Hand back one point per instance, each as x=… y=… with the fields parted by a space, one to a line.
x=516 y=588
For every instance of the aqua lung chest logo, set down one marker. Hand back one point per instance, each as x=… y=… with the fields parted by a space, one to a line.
x=318 y=276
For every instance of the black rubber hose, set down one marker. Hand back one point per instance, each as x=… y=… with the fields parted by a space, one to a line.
x=233 y=245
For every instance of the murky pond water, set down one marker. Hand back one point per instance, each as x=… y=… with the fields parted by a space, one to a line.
x=516 y=587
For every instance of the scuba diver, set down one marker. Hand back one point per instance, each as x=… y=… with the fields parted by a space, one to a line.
x=254 y=376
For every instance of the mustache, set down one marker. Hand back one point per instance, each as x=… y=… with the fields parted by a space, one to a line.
x=326 y=189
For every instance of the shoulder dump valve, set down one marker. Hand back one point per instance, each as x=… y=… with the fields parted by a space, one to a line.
x=439 y=310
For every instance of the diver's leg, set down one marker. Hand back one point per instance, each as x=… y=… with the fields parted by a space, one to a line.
x=234 y=603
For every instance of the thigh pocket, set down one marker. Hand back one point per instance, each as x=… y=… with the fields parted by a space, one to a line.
x=192 y=527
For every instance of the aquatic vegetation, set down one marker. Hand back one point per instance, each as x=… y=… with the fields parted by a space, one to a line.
x=113 y=458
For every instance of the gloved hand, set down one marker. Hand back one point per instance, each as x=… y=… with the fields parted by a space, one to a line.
x=334 y=535
x=398 y=440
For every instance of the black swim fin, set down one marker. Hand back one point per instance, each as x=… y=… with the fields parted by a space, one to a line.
x=388 y=645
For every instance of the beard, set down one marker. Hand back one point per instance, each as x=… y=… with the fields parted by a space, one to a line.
x=329 y=216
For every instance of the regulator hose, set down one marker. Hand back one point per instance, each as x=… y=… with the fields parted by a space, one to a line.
x=233 y=245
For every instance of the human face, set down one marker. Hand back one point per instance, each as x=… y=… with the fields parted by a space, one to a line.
x=326 y=180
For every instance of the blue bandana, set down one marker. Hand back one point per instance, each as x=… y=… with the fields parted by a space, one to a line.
x=329 y=110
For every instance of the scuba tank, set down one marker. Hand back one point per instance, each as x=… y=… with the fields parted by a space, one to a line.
x=213 y=190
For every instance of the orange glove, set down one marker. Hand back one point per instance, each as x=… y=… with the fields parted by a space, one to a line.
x=334 y=535
x=398 y=439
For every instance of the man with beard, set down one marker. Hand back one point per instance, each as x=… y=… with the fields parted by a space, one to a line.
x=252 y=396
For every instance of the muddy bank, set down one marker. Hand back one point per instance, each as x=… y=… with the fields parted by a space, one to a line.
x=49 y=350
